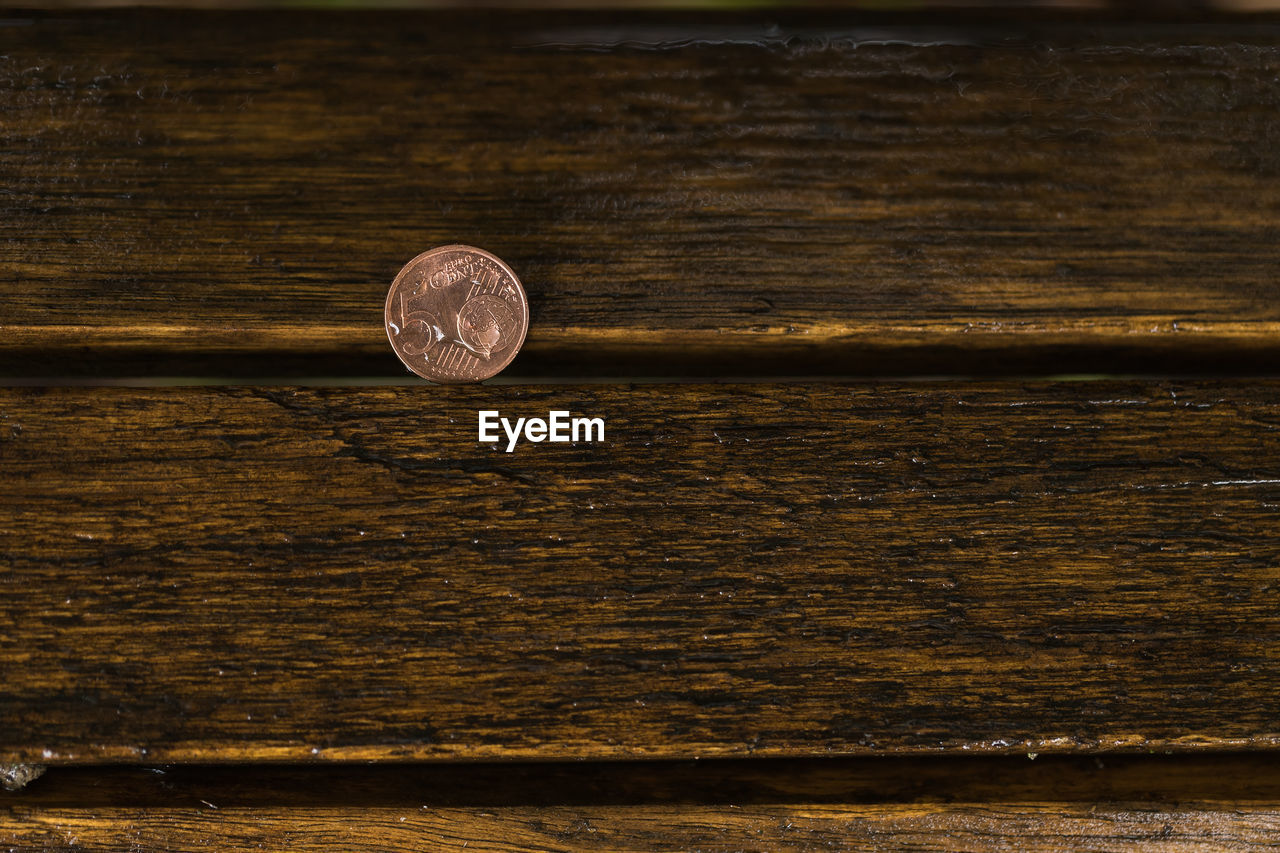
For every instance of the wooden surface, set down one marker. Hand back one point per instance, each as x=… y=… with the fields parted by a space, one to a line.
x=775 y=194
x=214 y=573
x=1204 y=803
x=1046 y=827
x=978 y=570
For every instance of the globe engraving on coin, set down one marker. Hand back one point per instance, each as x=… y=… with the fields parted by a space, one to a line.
x=456 y=314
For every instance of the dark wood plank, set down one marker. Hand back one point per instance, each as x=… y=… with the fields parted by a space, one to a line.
x=1211 y=802
x=213 y=573
x=683 y=195
x=1044 y=827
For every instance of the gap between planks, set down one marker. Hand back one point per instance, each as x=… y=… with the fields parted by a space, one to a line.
x=1186 y=803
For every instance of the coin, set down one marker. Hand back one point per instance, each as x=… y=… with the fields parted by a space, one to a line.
x=456 y=314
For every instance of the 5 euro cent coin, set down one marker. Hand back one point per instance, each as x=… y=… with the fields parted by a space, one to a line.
x=456 y=314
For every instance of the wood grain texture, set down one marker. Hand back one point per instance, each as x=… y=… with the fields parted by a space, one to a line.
x=683 y=195
x=773 y=570
x=1202 y=803
x=1045 y=827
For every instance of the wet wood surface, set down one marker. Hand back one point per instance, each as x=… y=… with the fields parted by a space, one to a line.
x=1115 y=803
x=707 y=195
x=259 y=573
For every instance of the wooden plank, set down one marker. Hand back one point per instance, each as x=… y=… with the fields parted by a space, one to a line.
x=928 y=827
x=213 y=573
x=232 y=193
x=1219 y=803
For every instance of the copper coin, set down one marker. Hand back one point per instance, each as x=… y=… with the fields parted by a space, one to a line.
x=456 y=314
